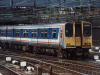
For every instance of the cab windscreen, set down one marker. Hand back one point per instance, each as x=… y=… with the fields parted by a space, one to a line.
x=69 y=30
x=87 y=30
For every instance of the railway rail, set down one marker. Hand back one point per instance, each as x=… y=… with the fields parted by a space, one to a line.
x=58 y=65
x=7 y=71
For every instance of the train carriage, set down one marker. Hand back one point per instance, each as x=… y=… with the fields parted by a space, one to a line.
x=74 y=38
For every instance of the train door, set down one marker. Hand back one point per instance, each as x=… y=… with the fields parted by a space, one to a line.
x=46 y=36
x=37 y=36
x=78 y=34
x=21 y=34
x=34 y=37
x=50 y=37
x=6 y=34
x=13 y=35
x=70 y=35
x=87 y=35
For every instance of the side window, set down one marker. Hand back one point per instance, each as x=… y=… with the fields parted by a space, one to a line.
x=45 y=33
x=4 y=33
x=69 y=30
x=27 y=34
x=18 y=33
x=0 y=32
x=9 y=33
x=32 y=33
x=35 y=34
x=54 y=33
x=50 y=33
x=24 y=33
x=42 y=32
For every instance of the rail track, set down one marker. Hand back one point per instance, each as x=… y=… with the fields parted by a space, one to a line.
x=4 y=70
x=59 y=65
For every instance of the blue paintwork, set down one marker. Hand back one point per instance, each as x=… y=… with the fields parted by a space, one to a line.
x=0 y=32
x=4 y=35
x=9 y=34
x=38 y=33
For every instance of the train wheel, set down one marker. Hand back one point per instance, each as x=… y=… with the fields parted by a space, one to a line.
x=34 y=50
x=24 y=48
x=4 y=45
x=7 y=45
x=64 y=54
x=30 y=49
x=68 y=54
x=44 y=51
x=15 y=47
x=38 y=50
x=76 y=57
x=60 y=54
x=41 y=51
x=55 y=52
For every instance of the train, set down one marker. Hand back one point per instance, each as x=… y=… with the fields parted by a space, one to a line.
x=70 y=39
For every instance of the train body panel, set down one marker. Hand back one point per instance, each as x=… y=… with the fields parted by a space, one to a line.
x=34 y=35
x=70 y=35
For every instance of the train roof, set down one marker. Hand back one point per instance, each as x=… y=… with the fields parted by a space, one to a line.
x=33 y=25
x=26 y=26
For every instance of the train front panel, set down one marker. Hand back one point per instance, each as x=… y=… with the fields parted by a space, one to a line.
x=78 y=35
x=70 y=35
x=87 y=35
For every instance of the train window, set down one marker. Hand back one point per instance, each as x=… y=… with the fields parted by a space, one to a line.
x=4 y=33
x=9 y=33
x=27 y=34
x=54 y=33
x=78 y=30
x=45 y=33
x=18 y=33
x=87 y=30
x=24 y=33
x=69 y=30
x=50 y=33
x=32 y=34
x=42 y=33
x=0 y=32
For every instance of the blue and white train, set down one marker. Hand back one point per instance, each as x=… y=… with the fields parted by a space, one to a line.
x=64 y=38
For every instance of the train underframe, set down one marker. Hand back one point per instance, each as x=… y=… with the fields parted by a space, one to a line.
x=73 y=53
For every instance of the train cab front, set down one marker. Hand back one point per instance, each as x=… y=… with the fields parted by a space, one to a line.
x=78 y=37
